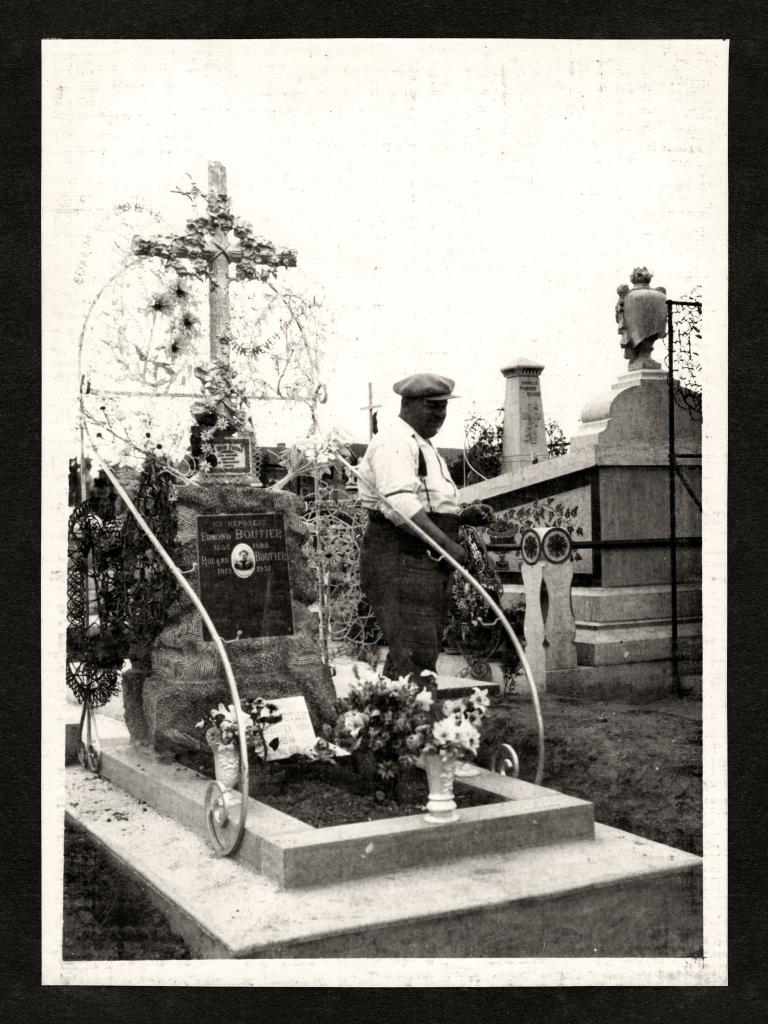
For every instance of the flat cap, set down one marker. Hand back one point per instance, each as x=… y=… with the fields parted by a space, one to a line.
x=429 y=386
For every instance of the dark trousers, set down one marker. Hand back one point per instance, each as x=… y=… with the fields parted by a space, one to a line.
x=408 y=592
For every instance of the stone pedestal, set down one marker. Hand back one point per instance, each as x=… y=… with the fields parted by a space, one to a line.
x=524 y=439
x=616 y=476
x=187 y=678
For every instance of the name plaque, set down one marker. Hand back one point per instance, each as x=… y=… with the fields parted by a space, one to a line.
x=244 y=575
x=295 y=732
x=233 y=455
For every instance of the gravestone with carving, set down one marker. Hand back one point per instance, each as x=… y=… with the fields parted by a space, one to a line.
x=242 y=547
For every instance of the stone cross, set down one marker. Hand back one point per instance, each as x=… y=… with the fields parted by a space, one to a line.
x=208 y=245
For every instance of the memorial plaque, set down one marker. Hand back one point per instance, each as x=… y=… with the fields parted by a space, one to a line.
x=295 y=732
x=245 y=582
x=233 y=455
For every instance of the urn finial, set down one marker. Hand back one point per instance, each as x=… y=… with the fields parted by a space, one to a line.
x=640 y=277
x=641 y=317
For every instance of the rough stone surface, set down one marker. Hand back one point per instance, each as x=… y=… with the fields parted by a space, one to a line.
x=187 y=677
x=133 y=703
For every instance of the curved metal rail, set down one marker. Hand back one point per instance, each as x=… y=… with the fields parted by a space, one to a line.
x=217 y=808
x=495 y=608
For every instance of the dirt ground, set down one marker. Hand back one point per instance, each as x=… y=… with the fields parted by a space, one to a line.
x=640 y=765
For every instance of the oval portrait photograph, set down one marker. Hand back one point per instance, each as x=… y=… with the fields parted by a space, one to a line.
x=243 y=561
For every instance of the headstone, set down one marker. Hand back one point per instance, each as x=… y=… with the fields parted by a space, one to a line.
x=524 y=438
x=187 y=677
x=245 y=582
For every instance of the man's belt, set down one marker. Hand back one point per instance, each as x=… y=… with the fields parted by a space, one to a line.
x=447 y=522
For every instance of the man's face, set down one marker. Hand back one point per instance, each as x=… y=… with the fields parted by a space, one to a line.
x=428 y=416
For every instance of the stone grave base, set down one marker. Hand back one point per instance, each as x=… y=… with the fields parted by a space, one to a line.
x=623 y=643
x=533 y=876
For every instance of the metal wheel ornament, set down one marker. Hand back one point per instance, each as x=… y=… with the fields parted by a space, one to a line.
x=224 y=837
x=505 y=761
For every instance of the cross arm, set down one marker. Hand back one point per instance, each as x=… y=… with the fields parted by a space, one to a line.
x=250 y=252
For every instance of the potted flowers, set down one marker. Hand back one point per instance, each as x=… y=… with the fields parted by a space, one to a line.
x=400 y=721
x=219 y=727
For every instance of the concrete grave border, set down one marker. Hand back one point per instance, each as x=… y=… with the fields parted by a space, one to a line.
x=293 y=854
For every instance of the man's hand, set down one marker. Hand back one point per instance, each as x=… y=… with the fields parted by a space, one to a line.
x=478 y=514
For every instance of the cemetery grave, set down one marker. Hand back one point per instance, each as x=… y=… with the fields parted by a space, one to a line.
x=322 y=794
x=526 y=865
x=658 y=797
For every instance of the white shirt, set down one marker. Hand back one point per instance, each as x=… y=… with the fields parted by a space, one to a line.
x=391 y=466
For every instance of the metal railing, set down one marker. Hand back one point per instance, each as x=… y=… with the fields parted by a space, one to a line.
x=216 y=802
x=674 y=391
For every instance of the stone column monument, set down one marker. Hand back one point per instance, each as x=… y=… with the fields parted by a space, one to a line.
x=524 y=441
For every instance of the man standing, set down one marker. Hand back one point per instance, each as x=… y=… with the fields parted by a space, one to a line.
x=406 y=582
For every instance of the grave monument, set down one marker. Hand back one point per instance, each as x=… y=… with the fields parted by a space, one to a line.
x=242 y=547
x=524 y=435
x=614 y=483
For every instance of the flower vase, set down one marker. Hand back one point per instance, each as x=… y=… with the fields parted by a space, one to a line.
x=441 y=807
x=226 y=760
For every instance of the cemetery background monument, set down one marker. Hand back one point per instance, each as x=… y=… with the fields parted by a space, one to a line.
x=242 y=547
x=524 y=434
x=616 y=477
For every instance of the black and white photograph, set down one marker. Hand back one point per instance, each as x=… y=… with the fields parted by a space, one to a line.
x=384 y=512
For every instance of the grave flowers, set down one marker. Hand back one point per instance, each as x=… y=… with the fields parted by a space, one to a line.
x=399 y=721
x=219 y=727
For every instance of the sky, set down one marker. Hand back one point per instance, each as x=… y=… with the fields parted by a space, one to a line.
x=457 y=203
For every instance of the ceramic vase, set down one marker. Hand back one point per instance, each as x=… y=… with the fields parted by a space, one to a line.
x=441 y=807
x=226 y=761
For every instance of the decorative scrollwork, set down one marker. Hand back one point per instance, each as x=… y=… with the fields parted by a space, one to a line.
x=337 y=525
x=118 y=589
x=505 y=761
x=472 y=626
x=686 y=353
x=94 y=650
x=89 y=748
x=218 y=801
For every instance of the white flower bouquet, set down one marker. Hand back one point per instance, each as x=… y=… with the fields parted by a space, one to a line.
x=398 y=720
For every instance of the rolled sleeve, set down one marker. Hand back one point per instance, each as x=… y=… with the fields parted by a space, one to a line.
x=394 y=471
